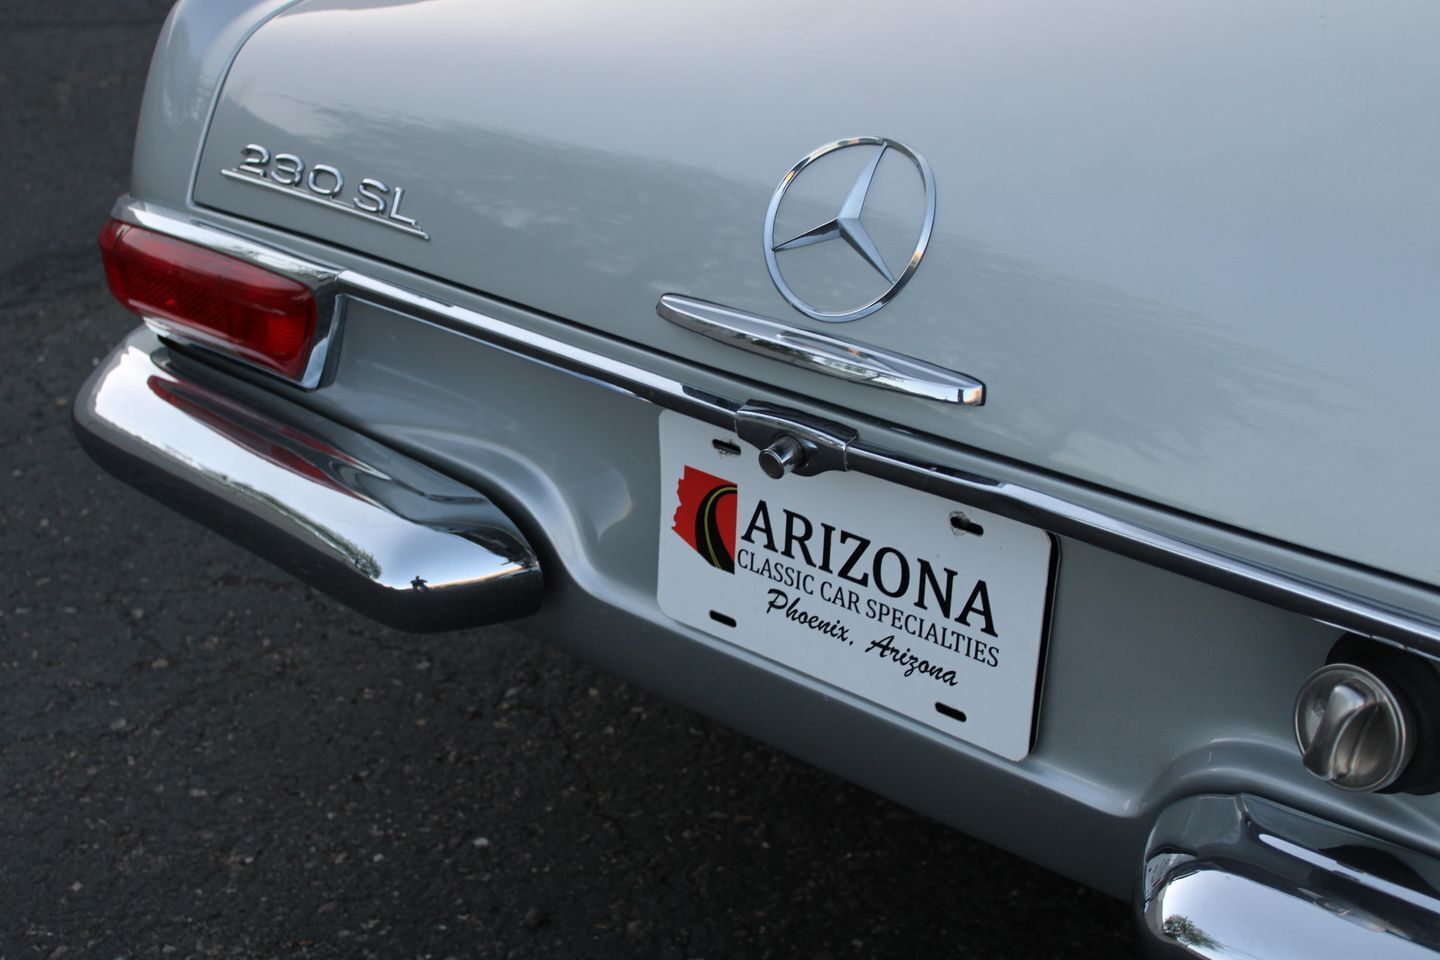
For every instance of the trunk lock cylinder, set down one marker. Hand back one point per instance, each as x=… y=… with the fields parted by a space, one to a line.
x=782 y=456
x=793 y=442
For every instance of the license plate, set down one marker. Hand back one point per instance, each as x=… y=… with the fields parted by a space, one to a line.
x=929 y=608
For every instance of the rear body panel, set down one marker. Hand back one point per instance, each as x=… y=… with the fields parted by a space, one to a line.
x=1188 y=251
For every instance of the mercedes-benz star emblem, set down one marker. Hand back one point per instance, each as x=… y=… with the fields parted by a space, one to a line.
x=848 y=226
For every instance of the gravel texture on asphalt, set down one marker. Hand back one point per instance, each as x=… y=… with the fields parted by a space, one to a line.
x=200 y=757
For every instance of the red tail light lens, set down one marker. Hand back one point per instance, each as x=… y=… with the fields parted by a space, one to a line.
x=229 y=304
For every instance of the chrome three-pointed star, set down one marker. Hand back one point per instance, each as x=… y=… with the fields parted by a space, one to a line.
x=847 y=225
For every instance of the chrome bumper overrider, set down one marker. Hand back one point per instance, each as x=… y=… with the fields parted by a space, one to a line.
x=394 y=539
x=1242 y=877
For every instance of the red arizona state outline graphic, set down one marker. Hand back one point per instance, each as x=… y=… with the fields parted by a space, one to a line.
x=705 y=518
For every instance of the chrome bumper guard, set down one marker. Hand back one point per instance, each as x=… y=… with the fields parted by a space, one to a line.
x=378 y=531
x=1242 y=877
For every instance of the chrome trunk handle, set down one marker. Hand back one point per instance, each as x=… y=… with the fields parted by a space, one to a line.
x=821 y=352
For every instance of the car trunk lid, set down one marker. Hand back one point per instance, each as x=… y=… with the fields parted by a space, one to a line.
x=1192 y=252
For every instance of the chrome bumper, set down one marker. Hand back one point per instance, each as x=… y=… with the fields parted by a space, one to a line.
x=376 y=530
x=1242 y=877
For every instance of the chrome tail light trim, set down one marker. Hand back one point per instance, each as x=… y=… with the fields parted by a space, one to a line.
x=322 y=280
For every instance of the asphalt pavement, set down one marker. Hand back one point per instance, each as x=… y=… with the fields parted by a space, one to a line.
x=200 y=757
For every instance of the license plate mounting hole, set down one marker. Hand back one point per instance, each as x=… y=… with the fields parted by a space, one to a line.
x=944 y=709
x=961 y=525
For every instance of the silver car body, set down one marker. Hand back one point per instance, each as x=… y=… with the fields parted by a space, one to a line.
x=1189 y=251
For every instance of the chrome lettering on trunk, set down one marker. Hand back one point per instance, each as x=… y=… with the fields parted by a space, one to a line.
x=324 y=184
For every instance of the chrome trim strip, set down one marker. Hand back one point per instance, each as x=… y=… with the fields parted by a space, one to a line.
x=821 y=352
x=1155 y=548
x=394 y=539
x=1242 y=877
x=325 y=202
x=1303 y=596
x=615 y=374
x=322 y=280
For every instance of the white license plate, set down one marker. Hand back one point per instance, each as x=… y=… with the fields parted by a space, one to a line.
x=929 y=608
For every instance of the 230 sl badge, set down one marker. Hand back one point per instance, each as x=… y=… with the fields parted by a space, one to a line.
x=322 y=183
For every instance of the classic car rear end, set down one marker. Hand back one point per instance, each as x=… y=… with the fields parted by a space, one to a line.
x=1007 y=410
